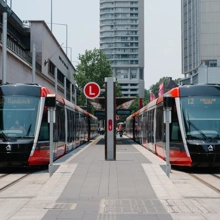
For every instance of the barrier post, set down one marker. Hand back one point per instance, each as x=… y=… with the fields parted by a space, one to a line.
x=167 y=105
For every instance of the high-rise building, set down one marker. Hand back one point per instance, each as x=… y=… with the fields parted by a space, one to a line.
x=122 y=40
x=200 y=41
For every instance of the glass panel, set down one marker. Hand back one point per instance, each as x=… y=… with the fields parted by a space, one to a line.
x=201 y=117
x=18 y=115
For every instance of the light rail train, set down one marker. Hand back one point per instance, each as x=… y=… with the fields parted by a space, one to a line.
x=194 y=128
x=26 y=143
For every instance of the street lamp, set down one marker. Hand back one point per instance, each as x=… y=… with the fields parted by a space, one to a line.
x=51 y=19
x=70 y=52
x=66 y=32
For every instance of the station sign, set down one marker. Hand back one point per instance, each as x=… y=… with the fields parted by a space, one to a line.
x=99 y=113
x=91 y=90
x=123 y=112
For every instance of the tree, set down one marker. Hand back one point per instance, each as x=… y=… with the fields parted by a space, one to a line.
x=166 y=80
x=94 y=66
x=154 y=89
x=135 y=105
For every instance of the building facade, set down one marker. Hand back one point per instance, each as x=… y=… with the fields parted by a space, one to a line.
x=122 y=40
x=53 y=67
x=200 y=41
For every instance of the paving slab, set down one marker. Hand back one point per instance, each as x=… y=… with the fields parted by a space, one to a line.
x=86 y=186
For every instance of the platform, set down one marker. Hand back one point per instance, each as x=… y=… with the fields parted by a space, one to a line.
x=86 y=187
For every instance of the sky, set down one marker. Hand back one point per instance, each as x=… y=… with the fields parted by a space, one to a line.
x=81 y=17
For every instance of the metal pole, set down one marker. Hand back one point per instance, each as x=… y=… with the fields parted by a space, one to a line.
x=71 y=54
x=11 y=4
x=51 y=112
x=66 y=30
x=206 y=74
x=55 y=75
x=51 y=19
x=75 y=94
x=33 y=64
x=65 y=87
x=4 y=44
x=66 y=39
x=168 y=168
x=71 y=91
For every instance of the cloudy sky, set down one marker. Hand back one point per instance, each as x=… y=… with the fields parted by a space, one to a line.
x=162 y=30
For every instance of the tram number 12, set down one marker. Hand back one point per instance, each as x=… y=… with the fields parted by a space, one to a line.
x=191 y=101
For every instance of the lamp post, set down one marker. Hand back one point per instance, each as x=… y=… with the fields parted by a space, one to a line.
x=66 y=32
x=4 y=42
x=70 y=52
x=51 y=14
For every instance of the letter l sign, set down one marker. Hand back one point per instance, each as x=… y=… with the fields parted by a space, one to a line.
x=90 y=91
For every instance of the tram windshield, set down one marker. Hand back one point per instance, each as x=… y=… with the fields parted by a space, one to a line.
x=18 y=116
x=201 y=117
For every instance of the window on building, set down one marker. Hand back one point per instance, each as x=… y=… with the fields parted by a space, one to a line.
x=123 y=84
x=60 y=76
x=133 y=74
x=67 y=84
x=212 y=63
x=122 y=73
x=51 y=68
x=141 y=74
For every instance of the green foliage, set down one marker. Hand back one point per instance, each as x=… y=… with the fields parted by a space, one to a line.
x=118 y=90
x=136 y=104
x=153 y=89
x=94 y=66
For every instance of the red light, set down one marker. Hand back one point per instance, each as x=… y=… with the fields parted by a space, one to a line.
x=110 y=124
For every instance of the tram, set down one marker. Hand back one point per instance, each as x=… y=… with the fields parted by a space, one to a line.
x=24 y=128
x=194 y=128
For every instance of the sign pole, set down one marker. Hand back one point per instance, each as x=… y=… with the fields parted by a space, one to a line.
x=167 y=104
x=51 y=121
x=50 y=103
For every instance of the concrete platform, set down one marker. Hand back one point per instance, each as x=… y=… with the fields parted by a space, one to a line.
x=86 y=187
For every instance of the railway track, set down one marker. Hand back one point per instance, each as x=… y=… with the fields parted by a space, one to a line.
x=211 y=180
x=8 y=180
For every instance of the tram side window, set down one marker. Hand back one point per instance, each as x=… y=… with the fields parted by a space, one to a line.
x=44 y=131
x=175 y=128
x=70 y=126
x=59 y=126
x=145 y=125
x=159 y=125
x=151 y=126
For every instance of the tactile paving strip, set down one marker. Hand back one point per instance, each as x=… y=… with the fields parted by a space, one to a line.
x=62 y=206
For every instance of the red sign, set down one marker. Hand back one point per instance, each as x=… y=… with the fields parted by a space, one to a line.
x=116 y=117
x=110 y=125
x=91 y=90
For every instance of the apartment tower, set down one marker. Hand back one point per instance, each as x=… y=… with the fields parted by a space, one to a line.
x=122 y=40
x=200 y=41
